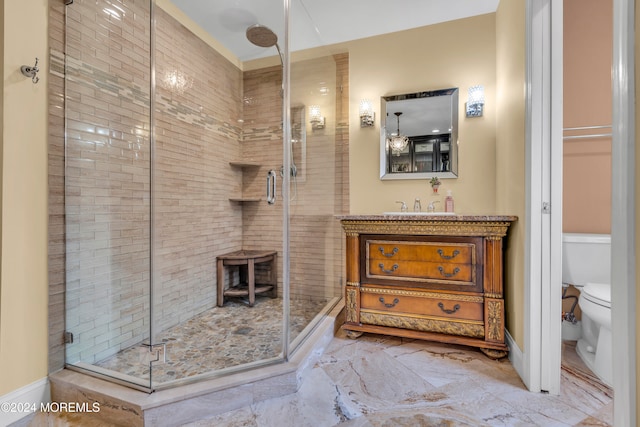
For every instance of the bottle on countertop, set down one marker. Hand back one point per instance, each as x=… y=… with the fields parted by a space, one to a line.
x=448 y=202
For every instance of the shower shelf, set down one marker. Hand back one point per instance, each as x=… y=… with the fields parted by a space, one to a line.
x=245 y=199
x=245 y=164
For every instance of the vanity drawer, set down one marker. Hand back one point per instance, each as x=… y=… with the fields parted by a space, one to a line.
x=420 y=271
x=454 y=253
x=432 y=305
x=449 y=263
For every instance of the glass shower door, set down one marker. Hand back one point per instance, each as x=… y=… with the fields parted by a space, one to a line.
x=218 y=133
x=107 y=187
x=169 y=142
x=319 y=187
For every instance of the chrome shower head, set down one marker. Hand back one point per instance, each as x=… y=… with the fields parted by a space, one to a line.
x=263 y=36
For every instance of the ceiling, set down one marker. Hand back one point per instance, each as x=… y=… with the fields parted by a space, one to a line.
x=321 y=22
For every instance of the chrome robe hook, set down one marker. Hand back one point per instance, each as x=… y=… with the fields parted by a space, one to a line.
x=31 y=72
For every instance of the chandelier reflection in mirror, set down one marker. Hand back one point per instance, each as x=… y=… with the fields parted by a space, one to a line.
x=398 y=142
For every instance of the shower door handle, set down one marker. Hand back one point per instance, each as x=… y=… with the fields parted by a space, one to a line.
x=271 y=187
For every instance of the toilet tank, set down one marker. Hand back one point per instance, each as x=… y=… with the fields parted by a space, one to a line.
x=586 y=258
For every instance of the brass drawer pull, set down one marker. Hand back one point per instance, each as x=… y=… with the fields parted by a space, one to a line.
x=441 y=305
x=452 y=256
x=441 y=269
x=390 y=254
x=386 y=304
x=394 y=268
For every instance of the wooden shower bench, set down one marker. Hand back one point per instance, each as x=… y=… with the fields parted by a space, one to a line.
x=246 y=261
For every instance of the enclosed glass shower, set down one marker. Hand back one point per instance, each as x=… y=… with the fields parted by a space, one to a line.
x=170 y=139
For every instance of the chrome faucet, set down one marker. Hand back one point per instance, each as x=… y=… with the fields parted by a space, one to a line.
x=403 y=206
x=417 y=207
x=431 y=207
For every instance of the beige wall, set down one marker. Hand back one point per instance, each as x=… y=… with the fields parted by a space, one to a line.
x=487 y=50
x=23 y=281
x=454 y=54
x=510 y=153
x=587 y=102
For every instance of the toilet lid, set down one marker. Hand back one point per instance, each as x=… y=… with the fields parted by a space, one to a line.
x=599 y=293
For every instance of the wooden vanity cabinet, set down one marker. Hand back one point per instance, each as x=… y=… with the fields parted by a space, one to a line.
x=436 y=278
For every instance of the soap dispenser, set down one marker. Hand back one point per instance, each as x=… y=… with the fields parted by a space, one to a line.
x=448 y=202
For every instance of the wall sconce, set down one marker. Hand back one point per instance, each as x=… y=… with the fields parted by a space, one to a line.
x=315 y=117
x=475 y=101
x=367 y=115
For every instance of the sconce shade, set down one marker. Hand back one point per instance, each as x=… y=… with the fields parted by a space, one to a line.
x=398 y=142
x=367 y=116
x=315 y=117
x=475 y=101
x=314 y=113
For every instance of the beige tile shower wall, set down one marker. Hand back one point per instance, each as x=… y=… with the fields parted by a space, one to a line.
x=315 y=271
x=56 y=190
x=317 y=190
x=341 y=192
x=107 y=179
x=262 y=143
x=197 y=135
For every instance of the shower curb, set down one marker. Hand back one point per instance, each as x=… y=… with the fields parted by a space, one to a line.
x=122 y=405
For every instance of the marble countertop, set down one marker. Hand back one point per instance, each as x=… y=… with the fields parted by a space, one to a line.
x=432 y=224
x=410 y=216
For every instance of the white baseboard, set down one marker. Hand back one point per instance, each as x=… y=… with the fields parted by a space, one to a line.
x=515 y=355
x=15 y=405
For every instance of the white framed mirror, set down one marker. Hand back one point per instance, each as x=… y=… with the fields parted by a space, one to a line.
x=419 y=135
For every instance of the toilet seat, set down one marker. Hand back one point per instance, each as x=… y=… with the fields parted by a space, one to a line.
x=598 y=293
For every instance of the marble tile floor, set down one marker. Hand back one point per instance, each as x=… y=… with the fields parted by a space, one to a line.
x=378 y=381
x=219 y=338
x=574 y=366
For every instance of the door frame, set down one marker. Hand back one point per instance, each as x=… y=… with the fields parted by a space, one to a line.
x=623 y=215
x=543 y=158
x=541 y=361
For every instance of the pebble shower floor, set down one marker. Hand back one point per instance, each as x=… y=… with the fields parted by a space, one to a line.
x=219 y=338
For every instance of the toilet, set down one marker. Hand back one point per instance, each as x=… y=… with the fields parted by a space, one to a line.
x=586 y=264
